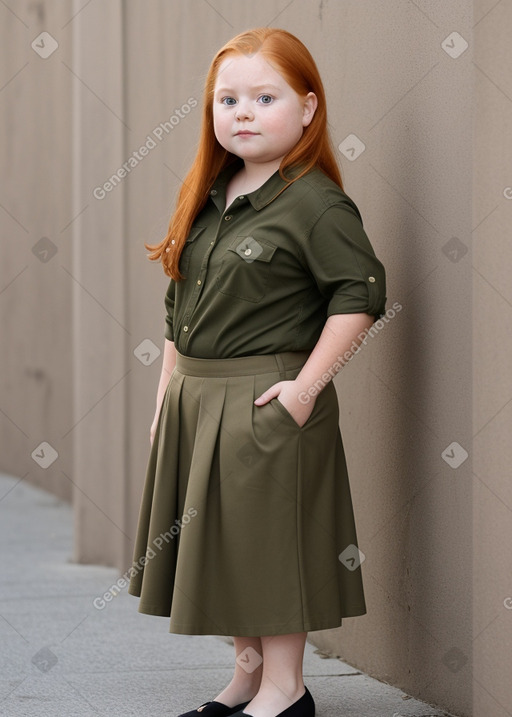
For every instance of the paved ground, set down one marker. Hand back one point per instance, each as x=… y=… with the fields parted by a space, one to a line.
x=59 y=655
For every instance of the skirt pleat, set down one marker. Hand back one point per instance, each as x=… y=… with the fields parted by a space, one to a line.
x=244 y=514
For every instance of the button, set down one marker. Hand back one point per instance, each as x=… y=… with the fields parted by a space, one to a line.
x=213 y=192
x=199 y=281
x=172 y=241
x=241 y=197
x=248 y=252
x=185 y=329
x=212 y=243
x=371 y=278
x=228 y=217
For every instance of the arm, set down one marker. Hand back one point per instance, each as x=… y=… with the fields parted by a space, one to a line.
x=352 y=280
x=338 y=335
x=168 y=365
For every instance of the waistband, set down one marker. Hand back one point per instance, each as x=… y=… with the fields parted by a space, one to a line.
x=242 y=365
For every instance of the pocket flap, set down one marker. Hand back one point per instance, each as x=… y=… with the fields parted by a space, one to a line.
x=251 y=249
x=194 y=233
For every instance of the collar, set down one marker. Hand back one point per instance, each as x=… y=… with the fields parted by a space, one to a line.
x=260 y=197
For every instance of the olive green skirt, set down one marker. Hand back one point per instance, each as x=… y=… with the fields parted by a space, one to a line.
x=244 y=513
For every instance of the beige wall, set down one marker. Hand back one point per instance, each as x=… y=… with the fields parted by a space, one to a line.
x=36 y=281
x=492 y=375
x=436 y=539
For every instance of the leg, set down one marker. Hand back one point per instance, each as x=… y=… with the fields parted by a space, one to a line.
x=282 y=682
x=246 y=680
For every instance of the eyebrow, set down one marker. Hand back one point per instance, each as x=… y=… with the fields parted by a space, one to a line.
x=259 y=87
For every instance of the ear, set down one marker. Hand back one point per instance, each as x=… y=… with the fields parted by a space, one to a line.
x=309 y=106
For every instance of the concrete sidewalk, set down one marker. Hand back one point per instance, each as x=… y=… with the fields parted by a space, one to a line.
x=60 y=655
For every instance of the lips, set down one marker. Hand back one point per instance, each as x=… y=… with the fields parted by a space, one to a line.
x=245 y=132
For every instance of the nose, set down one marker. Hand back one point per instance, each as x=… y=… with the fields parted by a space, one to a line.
x=243 y=111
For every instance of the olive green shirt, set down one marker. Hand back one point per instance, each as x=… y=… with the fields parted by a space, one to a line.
x=263 y=275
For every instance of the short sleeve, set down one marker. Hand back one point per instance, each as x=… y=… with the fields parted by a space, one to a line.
x=344 y=265
x=169 y=307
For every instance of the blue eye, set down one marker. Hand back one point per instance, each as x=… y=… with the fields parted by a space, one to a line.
x=266 y=99
x=225 y=102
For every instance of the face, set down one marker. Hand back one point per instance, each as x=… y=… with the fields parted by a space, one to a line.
x=256 y=114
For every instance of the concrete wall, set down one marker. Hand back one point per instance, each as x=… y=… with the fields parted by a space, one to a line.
x=492 y=377
x=408 y=396
x=433 y=524
x=36 y=279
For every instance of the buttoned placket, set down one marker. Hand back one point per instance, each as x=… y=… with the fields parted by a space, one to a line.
x=224 y=221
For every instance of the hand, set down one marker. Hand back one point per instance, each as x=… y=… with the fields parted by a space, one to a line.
x=288 y=393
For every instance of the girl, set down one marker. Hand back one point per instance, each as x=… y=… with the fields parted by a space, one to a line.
x=246 y=526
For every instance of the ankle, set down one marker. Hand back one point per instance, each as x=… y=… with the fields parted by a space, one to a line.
x=291 y=686
x=238 y=691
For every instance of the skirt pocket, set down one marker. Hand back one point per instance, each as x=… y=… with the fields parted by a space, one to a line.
x=281 y=409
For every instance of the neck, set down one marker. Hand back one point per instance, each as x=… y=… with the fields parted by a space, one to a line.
x=255 y=174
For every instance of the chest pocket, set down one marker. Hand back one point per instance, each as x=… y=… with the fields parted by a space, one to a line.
x=188 y=248
x=245 y=269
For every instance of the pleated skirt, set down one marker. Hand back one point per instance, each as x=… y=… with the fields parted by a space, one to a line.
x=246 y=525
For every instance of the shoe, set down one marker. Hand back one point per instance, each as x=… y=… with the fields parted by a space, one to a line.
x=214 y=709
x=304 y=707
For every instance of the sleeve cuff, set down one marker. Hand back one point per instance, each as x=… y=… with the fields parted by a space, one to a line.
x=371 y=300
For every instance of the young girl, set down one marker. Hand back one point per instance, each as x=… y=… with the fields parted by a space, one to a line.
x=246 y=526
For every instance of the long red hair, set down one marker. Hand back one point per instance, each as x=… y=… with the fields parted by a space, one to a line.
x=292 y=60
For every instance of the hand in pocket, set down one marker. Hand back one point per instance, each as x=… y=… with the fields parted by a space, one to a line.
x=289 y=395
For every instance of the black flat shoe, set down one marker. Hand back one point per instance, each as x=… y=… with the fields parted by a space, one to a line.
x=304 y=707
x=214 y=709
